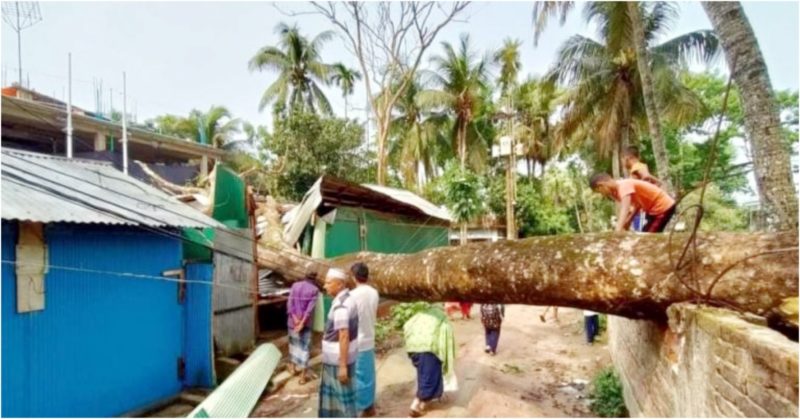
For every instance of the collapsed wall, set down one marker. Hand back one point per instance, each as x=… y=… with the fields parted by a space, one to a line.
x=705 y=362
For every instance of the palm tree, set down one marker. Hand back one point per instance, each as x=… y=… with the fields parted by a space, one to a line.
x=417 y=137
x=762 y=121
x=653 y=120
x=535 y=103
x=215 y=127
x=298 y=62
x=346 y=79
x=508 y=59
x=462 y=81
x=606 y=104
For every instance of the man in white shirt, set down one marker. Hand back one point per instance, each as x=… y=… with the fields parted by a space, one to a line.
x=366 y=301
x=339 y=342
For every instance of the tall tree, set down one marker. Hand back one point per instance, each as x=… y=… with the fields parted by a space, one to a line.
x=389 y=40
x=507 y=57
x=535 y=104
x=762 y=120
x=417 y=137
x=300 y=72
x=345 y=78
x=461 y=78
x=645 y=73
x=605 y=103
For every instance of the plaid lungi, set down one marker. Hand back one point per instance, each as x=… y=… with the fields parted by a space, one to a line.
x=337 y=400
x=299 y=347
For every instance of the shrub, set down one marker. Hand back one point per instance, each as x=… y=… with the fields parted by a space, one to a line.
x=404 y=311
x=607 y=400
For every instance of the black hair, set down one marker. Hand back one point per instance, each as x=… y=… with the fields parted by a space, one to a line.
x=360 y=271
x=599 y=177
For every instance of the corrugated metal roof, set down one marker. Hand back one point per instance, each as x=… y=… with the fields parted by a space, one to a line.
x=413 y=199
x=338 y=192
x=43 y=188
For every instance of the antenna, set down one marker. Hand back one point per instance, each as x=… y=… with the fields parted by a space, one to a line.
x=21 y=15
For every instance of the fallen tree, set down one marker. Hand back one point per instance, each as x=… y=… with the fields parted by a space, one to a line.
x=625 y=274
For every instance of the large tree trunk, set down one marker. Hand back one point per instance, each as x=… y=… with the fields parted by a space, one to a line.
x=646 y=76
x=625 y=274
x=762 y=121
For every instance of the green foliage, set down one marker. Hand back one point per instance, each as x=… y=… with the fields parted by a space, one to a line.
x=721 y=213
x=402 y=312
x=215 y=127
x=307 y=146
x=607 y=399
x=464 y=193
x=300 y=70
x=602 y=323
x=383 y=329
x=536 y=216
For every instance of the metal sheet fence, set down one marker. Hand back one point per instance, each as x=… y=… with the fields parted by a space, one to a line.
x=112 y=336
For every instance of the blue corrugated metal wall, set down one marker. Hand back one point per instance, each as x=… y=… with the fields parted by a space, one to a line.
x=104 y=344
x=200 y=340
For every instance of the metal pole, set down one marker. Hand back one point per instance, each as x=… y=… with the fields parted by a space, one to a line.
x=124 y=124
x=69 y=105
x=19 y=45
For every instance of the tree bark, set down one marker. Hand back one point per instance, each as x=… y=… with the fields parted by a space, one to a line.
x=762 y=120
x=625 y=274
x=646 y=76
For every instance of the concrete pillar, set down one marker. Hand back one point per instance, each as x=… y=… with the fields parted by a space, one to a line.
x=204 y=166
x=99 y=141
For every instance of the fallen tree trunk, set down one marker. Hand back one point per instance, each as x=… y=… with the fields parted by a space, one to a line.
x=625 y=274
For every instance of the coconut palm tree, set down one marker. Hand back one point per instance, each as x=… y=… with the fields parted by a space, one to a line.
x=762 y=119
x=300 y=72
x=605 y=103
x=215 y=127
x=535 y=103
x=417 y=136
x=461 y=79
x=508 y=59
x=345 y=78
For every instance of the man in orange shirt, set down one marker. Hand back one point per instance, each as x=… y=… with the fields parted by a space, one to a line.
x=633 y=195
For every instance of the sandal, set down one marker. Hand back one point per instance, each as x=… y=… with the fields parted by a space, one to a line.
x=414 y=413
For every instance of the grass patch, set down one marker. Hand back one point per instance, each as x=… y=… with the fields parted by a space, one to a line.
x=607 y=400
x=511 y=369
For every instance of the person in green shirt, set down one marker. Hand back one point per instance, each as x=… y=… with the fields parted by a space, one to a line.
x=430 y=344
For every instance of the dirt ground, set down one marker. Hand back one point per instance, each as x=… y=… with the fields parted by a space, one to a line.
x=541 y=369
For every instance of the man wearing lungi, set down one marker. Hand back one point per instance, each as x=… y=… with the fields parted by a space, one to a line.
x=430 y=345
x=366 y=300
x=302 y=300
x=337 y=396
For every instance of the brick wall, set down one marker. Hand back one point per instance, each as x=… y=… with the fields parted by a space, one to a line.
x=705 y=362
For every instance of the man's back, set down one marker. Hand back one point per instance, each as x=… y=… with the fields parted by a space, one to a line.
x=366 y=299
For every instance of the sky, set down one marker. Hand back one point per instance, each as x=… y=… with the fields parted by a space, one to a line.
x=184 y=55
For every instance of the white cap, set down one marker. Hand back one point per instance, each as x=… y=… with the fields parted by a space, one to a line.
x=335 y=273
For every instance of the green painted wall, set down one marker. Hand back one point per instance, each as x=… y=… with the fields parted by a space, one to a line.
x=385 y=233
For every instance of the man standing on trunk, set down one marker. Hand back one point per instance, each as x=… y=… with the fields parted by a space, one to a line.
x=337 y=396
x=633 y=195
x=366 y=301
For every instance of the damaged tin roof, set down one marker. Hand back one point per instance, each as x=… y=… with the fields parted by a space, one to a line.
x=47 y=189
